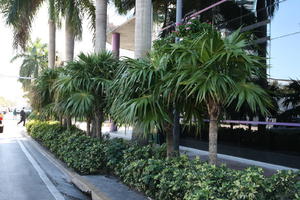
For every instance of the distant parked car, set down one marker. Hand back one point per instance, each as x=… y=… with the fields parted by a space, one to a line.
x=1 y=125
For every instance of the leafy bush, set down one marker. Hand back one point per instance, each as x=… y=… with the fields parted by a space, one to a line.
x=114 y=151
x=148 y=170
x=82 y=153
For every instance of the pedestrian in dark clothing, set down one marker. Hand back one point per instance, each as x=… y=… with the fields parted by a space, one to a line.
x=23 y=117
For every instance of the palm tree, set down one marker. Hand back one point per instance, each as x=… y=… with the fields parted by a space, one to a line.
x=41 y=94
x=291 y=101
x=82 y=89
x=218 y=71
x=34 y=61
x=141 y=95
x=21 y=13
x=74 y=11
x=101 y=23
x=143 y=28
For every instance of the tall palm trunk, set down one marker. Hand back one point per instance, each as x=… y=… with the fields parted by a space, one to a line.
x=70 y=41
x=69 y=52
x=51 y=47
x=101 y=24
x=143 y=27
x=214 y=112
x=142 y=42
x=100 y=45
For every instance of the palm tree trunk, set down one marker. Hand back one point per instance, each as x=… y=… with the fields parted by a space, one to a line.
x=169 y=140
x=101 y=24
x=143 y=27
x=51 y=47
x=213 y=139
x=97 y=127
x=142 y=41
x=176 y=131
x=61 y=120
x=97 y=124
x=88 y=127
x=70 y=41
x=67 y=122
x=213 y=111
x=93 y=131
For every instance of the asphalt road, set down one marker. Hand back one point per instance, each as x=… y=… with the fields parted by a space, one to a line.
x=26 y=174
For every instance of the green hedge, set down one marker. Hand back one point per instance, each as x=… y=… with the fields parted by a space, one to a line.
x=148 y=170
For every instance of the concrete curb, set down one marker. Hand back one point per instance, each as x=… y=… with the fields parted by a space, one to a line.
x=79 y=181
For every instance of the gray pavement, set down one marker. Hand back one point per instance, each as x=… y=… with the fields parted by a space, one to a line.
x=26 y=174
x=19 y=180
x=265 y=156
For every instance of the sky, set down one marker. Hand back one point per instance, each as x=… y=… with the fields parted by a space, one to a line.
x=284 y=54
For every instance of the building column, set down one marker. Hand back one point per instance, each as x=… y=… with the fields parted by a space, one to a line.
x=116 y=44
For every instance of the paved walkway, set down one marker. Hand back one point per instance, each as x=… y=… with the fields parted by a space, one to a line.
x=275 y=158
x=26 y=174
x=235 y=162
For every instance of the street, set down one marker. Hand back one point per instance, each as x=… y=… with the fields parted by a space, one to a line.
x=26 y=174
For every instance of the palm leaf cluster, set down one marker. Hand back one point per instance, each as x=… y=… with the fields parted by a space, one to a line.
x=292 y=98
x=291 y=101
x=202 y=72
x=42 y=94
x=34 y=60
x=76 y=11
x=20 y=14
x=135 y=96
x=217 y=70
x=79 y=90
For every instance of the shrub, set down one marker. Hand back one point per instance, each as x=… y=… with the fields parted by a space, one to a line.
x=282 y=186
x=113 y=151
x=148 y=170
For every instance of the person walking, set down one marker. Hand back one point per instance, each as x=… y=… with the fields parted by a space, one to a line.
x=23 y=117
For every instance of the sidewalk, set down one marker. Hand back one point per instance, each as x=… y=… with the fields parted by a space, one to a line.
x=229 y=160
